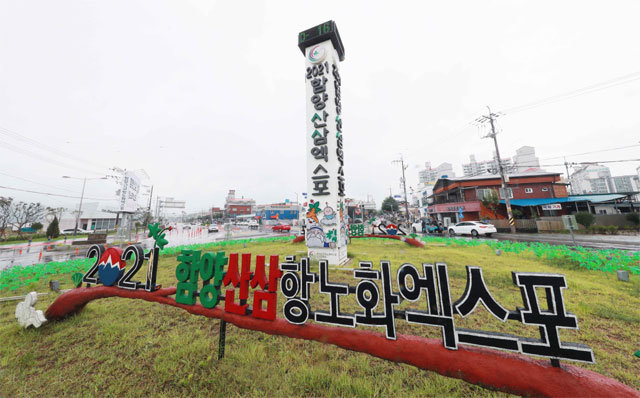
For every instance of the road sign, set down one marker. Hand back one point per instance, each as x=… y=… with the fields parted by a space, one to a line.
x=570 y=222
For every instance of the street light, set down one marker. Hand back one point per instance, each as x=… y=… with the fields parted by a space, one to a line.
x=84 y=182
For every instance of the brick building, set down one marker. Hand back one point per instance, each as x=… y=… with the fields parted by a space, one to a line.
x=234 y=207
x=531 y=193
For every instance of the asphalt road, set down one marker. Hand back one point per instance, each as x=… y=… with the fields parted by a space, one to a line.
x=23 y=254
x=623 y=242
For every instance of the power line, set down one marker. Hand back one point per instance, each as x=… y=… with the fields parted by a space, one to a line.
x=598 y=151
x=7 y=132
x=35 y=182
x=44 y=158
x=52 y=194
x=575 y=93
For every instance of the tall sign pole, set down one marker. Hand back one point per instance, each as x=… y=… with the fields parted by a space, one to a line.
x=326 y=229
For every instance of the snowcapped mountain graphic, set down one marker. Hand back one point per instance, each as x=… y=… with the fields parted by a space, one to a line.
x=110 y=271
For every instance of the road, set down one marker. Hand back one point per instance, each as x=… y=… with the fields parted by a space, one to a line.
x=43 y=252
x=623 y=242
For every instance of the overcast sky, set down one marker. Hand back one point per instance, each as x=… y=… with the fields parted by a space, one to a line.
x=208 y=96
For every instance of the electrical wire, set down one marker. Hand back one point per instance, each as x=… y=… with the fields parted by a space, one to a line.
x=10 y=133
x=575 y=93
x=54 y=194
x=35 y=182
x=591 y=152
x=37 y=156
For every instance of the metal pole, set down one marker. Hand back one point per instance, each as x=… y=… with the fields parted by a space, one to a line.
x=502 y=178
x=572 y=236
x=84 y=182
x=566 y=166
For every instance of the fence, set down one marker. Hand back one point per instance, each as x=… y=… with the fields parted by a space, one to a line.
x=521 y=225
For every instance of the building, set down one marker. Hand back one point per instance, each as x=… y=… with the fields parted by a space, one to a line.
x=475 y=168
x=591 y=178
x=453 y=197
x=626 y=183
x=92 y=218
x=597 y=179
x=234 y=207
x=429 y=174
x=286 y=213
x=524 y=160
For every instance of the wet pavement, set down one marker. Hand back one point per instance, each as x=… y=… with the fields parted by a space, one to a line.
x=61 y=250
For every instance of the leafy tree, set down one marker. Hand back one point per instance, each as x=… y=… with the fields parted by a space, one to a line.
x=5 y=214
x=53 y=230
x=389 y=204
x=491 y=200
x=36 y=226
x=26 y=213
x=585 y=219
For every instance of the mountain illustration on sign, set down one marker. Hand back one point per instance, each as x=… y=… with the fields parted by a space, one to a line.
x=110 y=266
x=392 y=229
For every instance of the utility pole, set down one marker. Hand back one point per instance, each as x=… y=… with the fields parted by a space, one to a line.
x=566 y=166
x=503 y=179
x=150 y=196
x=404 y=185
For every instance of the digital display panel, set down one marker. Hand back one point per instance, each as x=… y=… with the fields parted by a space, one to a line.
x=320 y=33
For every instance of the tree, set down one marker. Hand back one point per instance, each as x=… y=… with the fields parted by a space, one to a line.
x=491 y=200
x=5 y=214
x=26 y=213
x=53 y=230
x=36 y=226
x=389 y=204
x=585 y=218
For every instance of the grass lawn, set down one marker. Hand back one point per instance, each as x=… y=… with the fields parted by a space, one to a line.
x=118 y=346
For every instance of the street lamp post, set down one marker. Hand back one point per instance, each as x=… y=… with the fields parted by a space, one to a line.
x=84 y=183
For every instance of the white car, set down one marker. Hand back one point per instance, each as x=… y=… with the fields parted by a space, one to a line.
x=253 y=224
x=473 y=228
x=213 y=228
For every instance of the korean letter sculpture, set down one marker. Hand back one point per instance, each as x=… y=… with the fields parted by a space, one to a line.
x=326 y=228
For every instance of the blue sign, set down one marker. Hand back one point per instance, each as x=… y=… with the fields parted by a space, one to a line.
x=460 y=215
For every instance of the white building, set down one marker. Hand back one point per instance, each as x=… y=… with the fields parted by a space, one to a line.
x=526 y=159
x=591 y=178
x=93 y=218
x=429 y=174
x=475 y=168
x=595 y=178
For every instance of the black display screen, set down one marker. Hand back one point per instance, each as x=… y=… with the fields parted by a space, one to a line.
x=320 y=33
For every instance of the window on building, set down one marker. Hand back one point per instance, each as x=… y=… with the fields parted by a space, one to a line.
x=509 y=192
x=528 y=190
x=545 y=189
x=480 y=193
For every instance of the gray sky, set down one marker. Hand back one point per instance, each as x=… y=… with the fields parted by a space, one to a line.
x=208 y=96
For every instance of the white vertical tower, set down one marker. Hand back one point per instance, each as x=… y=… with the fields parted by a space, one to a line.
x=326 y=224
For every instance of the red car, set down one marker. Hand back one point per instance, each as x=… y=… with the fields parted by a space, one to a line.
x=281 y=228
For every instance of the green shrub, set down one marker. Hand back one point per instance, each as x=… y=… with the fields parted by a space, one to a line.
x=612 y=230
x=634 y=218
x=36 y=226
x=585 y=219
x=601 y=229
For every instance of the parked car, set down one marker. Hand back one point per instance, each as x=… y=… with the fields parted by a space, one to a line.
x=281 y=228
x=473 y=228
x=213 y=228
x=253 y=224
x=186 y=227
x=69 y=231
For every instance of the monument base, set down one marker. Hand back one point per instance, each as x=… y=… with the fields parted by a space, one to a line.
x=333 y=256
